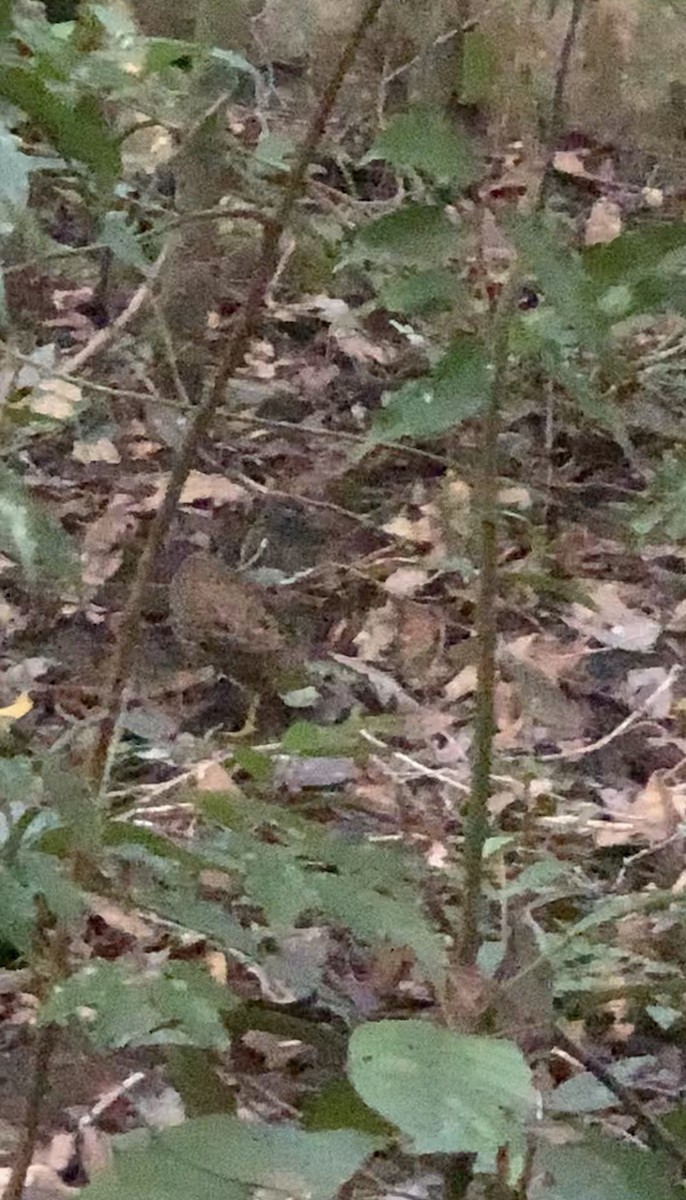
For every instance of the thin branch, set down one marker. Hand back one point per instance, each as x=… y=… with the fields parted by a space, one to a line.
x=45 y=1041
x=557 y=106
x=656 y=1133
x=246 y=326
x=623 y=727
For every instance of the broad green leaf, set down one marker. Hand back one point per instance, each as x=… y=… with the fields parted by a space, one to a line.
x=456 y=389
x=373 y=917
x=29 y=535
x=258 y=765
x=177 y=904
x=147 y=1172
x=338 y=1106
x=161 y=53
x=119 y=1004
x=310 y=739
x=78 y=130
x=602 y=1168
x=424 y=139
x=633 y=254
x=284 y=1160
x=278 y=884
x=479 y=68
x=423 y=292
x=15 y=171
x=17 y=912
x=448 y=1093
x=5 y=18
x=116 y=233
x=560 y=272
x=416 y=235
x=69 y=795
x=42 y=875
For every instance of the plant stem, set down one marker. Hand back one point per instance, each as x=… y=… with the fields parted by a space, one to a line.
x=45 y=1041
x=245 y=328
x=475 y=814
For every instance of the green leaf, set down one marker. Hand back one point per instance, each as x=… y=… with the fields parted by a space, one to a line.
x=424 y=139
x=479 y=68
x=603 y=1168
x=78 y=130
x=255 y=763
x=416 y=235
x=116 y=233
x=373 y=917
x=118 y=1004
x=448 y=1093
x=5 y=18
x=17 y=912
x=560 y=272
x=15 y=171
x=69 y=795
x=43 y=876
x=338 y=1106
x=456 y=389
x=190 y=1160
x=634 y=254
x=310 y=739
x=42 y=547
x=161 y=53
x=423 y=292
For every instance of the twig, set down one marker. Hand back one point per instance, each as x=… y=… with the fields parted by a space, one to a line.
x=246 y=325
x=623 y=727
x=657 y=1134
x=556 y=122
x=104 y=337
x=45 y=1041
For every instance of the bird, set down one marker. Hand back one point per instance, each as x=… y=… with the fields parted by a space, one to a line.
x=224 y=619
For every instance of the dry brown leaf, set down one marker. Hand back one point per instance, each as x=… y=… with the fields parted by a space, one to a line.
x=604 y=223
x=461 y=685
x=642 y=684
x=569 y=162
x=92 y=452
x=420 y=531
x=216 y=490
x=55 y=398
x=612 y=622
x=378 y=633
x=653 y=816
x=213 y=777
x=406 y=581
x=101 y=555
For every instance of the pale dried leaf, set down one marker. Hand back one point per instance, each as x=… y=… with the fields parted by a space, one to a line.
x=55 y=398
x=653 y=816
x=604 y=223
x=569 y=162
x=406 y=581
x=92 y=452
x=213 y=777
x=641 y=686
x=612 y=622
x=461 y=685
x=420 y=531
x=378 y=633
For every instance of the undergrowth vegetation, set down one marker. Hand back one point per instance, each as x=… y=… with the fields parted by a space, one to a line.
x=433 y=976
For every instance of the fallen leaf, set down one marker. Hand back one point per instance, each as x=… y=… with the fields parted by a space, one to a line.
x=406 y=581
x=213 y=777
x=216 y=490
x=653 y=816
x=612 y=622
x=569 y=162
x=604 y=223
x=640 y=686
x=92 y=452
x=461 y=685
x=17 y=709
x=55 y=398
x=378 y=633
x=420 y=531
